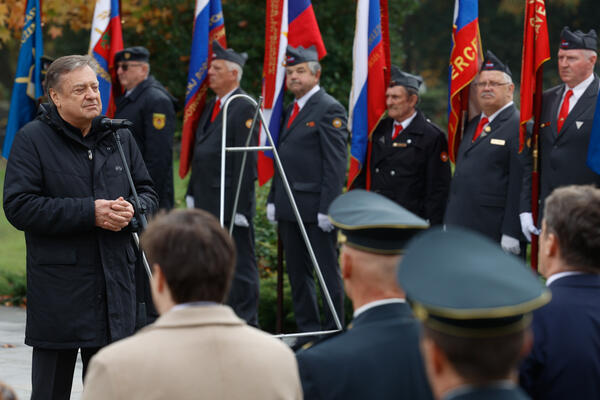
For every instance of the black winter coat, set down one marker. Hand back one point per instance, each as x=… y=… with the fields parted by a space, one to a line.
x=80 y=278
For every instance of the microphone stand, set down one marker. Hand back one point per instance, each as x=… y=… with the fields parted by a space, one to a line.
x=139 y=207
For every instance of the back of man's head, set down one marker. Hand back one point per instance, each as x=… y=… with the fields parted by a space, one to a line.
x=572 y=213
x=194 y=253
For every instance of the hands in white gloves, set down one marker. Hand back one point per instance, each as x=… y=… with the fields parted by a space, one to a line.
x=324 y=223
x=271 y=212
x=189 y=201
x=527 y=225
x=510 y=244
x=240 y=220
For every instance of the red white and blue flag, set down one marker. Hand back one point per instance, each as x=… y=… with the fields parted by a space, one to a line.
x=290 y=22
x=209 y=25
x=107 y=40
x=367 y=98
x=464 y=63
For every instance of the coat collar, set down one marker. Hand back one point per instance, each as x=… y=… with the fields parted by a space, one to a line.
x=304 y=113
x=587 y=98
x=197 y=316
x=590 y=280
x=382 y=312
x=489 y=130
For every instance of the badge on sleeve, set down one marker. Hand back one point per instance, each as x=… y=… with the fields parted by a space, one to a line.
x=444 y=156
x=249 y=123
x=159 y=120
x=337 y=123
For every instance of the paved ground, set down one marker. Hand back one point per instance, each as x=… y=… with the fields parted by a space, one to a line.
x=15 y=356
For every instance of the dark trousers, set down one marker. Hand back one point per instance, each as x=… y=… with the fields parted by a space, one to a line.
x=52 y=372
x=243 y=294
x=302 y=276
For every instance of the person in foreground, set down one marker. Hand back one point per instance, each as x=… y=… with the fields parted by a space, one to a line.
x=67 y=189
x=198 y=347
x=565 y=360
x=475 y=302
x=378 y=356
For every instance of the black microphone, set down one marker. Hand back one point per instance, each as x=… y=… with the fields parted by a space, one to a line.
x=113 y=124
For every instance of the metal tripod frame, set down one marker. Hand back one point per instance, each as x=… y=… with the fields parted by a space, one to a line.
x=258 y=114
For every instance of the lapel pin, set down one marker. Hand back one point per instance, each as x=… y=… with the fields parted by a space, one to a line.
x=578 y=123
x=487 y=128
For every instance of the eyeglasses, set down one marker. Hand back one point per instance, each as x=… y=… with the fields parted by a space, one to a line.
x=490 y=84
x=125 y=66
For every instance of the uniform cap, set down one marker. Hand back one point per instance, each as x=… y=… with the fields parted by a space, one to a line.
x=137 y=53
x=401 y=78
x=299 y=55
x=220 y=53
x=493 y=63
x=578 y=40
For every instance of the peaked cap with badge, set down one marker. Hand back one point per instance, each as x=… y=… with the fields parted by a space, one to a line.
x=299 y=55
x=401 y=78
x=220 y=53
x=578 y=40
x=373 y=223
x=493 y=63
x=468 y=286
x=136 y=53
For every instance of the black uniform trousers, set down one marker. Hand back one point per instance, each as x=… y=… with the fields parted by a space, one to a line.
x=52 y=371
x=302 y=276
x=243 y=294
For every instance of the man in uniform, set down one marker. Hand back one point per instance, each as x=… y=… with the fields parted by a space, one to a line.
x=565 y=360
x=378 y=356
x=565 y=124
x=486 y=187
x=475 y=302
x=67 y=189
x=312 y=148
x=409 y=156
x=224 y=76
x=151 y=108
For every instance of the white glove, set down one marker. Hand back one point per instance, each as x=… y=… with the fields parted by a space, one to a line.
x=510 y=244
x=527 y=225
x=240 y=220
x=324 y=223
x=189 y=201
x=271 y=212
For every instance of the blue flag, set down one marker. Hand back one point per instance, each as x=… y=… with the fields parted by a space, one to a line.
x=28 y=80
x=593 y=160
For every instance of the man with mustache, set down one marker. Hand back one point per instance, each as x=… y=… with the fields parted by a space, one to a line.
x=485 y=189
x=66 y=188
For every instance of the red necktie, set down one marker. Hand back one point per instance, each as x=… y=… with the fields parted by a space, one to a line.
x=397 y=129
x=294 y=113
x=480 y=126
x=216 y=110
x=564 y=110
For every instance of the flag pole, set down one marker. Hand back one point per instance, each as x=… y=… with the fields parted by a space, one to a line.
x=535 y=176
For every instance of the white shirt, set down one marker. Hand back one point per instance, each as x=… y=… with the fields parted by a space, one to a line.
x=404 y=123
x=302 y=100
x=577 y=92
x=224 y=98
x=559 y=275
x=494 y=115
x=376 y=303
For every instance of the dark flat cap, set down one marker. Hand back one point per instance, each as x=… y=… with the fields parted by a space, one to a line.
x=461 y=283
x=299 y=55
x=137 y=53
x=401 y=78
x=374 y=223
x=220 y=53
x=578 y=40
x=493 y=63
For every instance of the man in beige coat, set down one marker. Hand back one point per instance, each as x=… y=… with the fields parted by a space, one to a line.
x=198 y=348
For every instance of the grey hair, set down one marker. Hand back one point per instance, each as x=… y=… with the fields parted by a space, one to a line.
x=63 y=65
x=588 y=53
x=314 y=67
x=236 y=67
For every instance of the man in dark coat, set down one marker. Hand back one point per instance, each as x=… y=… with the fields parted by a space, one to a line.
x=67 y=188
x=475 y=302
x=486 y=187
x=224 y=75
x=565 y=124
x=312 y=148
x=151 y=108
x=409 y=156
x=565 y=360
x=378 y=356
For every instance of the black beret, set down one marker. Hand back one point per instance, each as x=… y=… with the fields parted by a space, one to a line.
x=578 y=40
x=374 y=223
x=299 y=55
x=493 y=63
x=137 y=53
x=401 y=78
x=219 y=53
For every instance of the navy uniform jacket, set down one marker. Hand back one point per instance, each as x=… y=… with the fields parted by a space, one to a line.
x=313 y=153
x=486 y=187
x=377 y=358
x=563 y=157
x=152 y=110
x=487 y=393
x=205 y=181
x=413 y=169
x=565 y=360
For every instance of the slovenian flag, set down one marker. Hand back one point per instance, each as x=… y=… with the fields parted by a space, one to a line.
x=107 y=40
x=209 y=25
x=290 y=22
x=28 y=79
x=367 y=98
